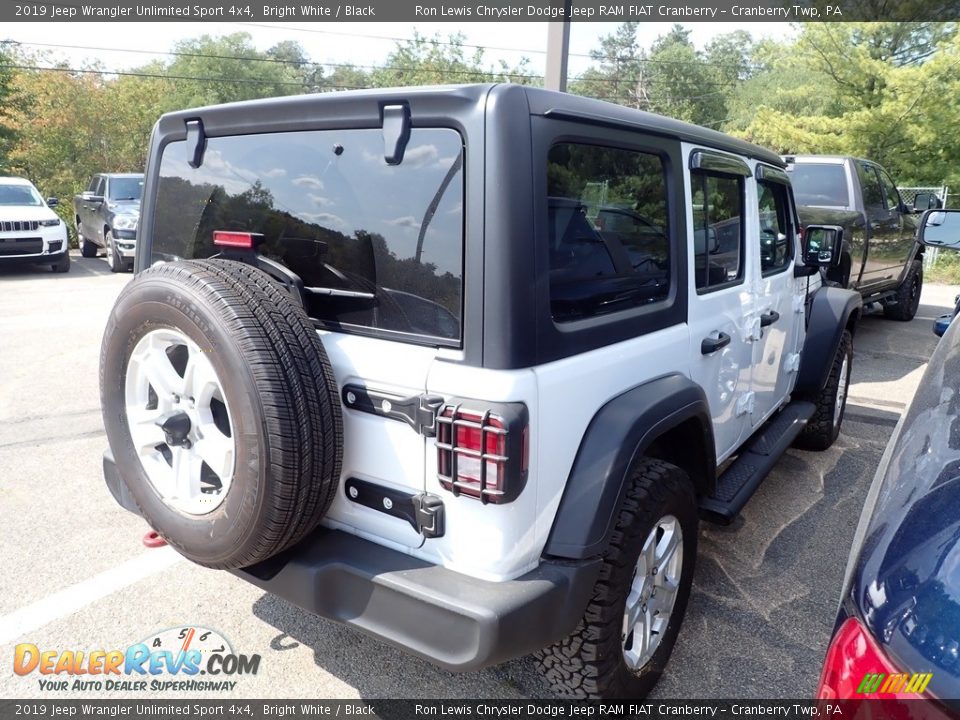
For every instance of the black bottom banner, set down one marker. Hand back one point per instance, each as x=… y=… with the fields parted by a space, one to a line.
x=403 y=709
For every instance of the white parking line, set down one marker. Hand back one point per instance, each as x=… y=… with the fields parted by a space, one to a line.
x=74 y=598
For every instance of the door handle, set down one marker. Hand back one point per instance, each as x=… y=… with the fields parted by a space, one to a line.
x=712 y=344
x=769 y=318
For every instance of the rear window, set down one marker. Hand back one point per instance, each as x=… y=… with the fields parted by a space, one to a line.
x=379 y=246
x=819 y=184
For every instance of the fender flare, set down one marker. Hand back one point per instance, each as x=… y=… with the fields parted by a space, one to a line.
x=621 y=431
x=830 y=313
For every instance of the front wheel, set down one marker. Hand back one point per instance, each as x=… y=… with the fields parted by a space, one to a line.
x=622 y=644
x=908 y=295
x=824 y=427
x=114 y=262
x=63 y=264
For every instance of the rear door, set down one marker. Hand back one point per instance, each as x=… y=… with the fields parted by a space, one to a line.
x=379 y=248
x=775 y=353
x=883 y=226
x=898 y=250
x=721 y=315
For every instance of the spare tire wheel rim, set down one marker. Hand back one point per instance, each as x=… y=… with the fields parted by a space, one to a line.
x=180 y=422
x=653 y=592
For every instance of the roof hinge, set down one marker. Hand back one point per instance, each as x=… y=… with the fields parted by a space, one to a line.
x=196 y=142
x=396 y=132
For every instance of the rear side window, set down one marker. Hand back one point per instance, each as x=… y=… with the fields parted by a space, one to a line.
x=608 y=230
x=872 y=192
x=717 y=229
x=821 y=184
x=380 y=247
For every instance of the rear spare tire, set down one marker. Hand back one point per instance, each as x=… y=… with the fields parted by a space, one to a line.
x=221 y=410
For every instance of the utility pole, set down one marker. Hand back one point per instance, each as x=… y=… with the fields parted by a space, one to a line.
x=558 y=51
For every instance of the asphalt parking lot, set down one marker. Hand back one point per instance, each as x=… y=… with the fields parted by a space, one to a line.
x=76 y=575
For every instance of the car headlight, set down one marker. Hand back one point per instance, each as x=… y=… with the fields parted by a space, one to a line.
x=125 y=222
x=50 y=223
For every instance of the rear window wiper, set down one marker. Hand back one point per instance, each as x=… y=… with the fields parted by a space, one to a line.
x=340 y=293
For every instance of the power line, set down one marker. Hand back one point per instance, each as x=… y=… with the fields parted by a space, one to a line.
x=295 y=63
x=161 y=76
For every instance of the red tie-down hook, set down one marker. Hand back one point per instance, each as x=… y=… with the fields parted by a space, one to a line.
x=153 y=540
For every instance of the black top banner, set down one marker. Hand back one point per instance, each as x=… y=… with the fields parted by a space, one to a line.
x=460 y=11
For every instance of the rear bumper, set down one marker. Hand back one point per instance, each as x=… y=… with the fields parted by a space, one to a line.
x=456 y=621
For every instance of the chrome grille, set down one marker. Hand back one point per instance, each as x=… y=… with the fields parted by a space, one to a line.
x=19 y=225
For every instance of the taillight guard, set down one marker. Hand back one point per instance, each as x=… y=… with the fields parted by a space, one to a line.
x=482 y=453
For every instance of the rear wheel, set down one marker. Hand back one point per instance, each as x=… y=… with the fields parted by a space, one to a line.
x=221 y=410
x=622 y=644
x=87 y=248
x=908 y=295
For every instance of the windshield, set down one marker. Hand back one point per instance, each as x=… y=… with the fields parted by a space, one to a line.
x=20 y=195
x=824 y=185
x=126 y=188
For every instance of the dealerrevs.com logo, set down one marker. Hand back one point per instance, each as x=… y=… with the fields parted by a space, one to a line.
x=183 y=659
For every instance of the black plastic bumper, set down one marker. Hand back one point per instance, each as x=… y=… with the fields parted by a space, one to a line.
x=454 y=620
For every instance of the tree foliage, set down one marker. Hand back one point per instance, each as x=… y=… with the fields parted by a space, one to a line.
x=885 y=90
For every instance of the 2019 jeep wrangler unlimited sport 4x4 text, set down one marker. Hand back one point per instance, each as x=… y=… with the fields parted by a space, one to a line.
x=461 y=366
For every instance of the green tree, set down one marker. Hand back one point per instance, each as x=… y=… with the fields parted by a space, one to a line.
x=618 y=73
x=230 y=68
x=432 y=61
x=8 y=135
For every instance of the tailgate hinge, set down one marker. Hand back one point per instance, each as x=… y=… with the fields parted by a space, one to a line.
x=418 y=411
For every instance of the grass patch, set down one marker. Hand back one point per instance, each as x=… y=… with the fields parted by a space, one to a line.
x=945 y=270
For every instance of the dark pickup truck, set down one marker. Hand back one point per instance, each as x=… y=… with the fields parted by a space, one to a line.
x=107 y=214
x=881 y=258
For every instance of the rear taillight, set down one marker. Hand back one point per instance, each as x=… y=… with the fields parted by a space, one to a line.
x=856 y=669
x=236 y=239
x=482 y=453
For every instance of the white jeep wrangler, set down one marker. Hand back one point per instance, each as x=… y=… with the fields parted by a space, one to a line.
x=461 y=367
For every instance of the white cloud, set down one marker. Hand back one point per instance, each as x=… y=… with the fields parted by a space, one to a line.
x=325 y=219
x=407 y=221
x=309 y=181
x=275 y=173
x=321 y=200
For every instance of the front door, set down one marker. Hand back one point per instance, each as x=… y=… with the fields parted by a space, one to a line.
x=721 y=304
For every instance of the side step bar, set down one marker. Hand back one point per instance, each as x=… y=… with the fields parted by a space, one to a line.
x=757 y=458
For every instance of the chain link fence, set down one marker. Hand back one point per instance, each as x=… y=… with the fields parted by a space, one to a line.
x=909 y=196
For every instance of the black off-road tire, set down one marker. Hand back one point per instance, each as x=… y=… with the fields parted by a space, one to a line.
x=908 y=295
x=823 y=428
x=589 y=663
x=87 y=248
x=277 y=379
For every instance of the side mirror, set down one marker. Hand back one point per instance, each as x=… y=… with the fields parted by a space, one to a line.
x=926 y=201
x=822 y=245
x=52 y=202
x=96 y=199
x=940 y=229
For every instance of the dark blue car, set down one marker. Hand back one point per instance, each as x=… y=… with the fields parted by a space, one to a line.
x=898 y=629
